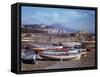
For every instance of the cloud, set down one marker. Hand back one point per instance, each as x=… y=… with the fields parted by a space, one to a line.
x=56 y=17
x=69 y=17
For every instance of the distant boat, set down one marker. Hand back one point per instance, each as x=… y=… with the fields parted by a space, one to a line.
x=72 y=44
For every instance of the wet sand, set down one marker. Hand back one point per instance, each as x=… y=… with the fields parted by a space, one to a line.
x=87 y=60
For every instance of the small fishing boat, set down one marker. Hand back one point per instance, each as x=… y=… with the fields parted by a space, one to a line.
x=47 y=48
x=28 y=56
x=59 y=55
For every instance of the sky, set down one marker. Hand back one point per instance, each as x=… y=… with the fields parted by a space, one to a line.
x=71 y=18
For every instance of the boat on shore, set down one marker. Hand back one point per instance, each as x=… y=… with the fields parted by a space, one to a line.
x=70 y=56
x=28 y=56
x=51 y=54
x=38 y=49
x=59 y=52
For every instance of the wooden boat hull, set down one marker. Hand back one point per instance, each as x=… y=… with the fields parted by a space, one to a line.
x=70 y=56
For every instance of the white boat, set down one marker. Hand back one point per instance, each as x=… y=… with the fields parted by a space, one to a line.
x=59 y=55
x=76 y=50
x=71 y=56
x=53 y=52
x=47 y=48
x=71 y=44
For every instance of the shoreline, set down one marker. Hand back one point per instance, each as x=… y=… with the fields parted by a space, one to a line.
x=85 y=61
